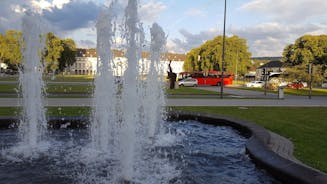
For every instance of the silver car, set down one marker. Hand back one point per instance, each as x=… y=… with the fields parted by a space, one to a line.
x=255 y=84
x=188 y=82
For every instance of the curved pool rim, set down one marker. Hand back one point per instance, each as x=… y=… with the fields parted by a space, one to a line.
x=257 y=146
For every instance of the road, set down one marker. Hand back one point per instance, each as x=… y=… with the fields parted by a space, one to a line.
x=303 y=102
x=240 y=98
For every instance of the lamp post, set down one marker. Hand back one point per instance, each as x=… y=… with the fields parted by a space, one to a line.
x=223 y=57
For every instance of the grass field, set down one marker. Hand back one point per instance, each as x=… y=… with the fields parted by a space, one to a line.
x=74 y=89
x=299 y=92
x=52 y=88
x=58 y=78
x=189 y=91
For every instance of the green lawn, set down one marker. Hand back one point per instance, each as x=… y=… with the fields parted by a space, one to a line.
x=58 y=78
x=305 y=91
x=8 y=78
x=300 y=92
x=71 y=78
x=69 y=89
x=305 y=126
x=52 y=88
x=8 y=88
x=189 y=91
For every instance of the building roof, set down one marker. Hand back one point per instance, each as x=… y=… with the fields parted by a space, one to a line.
x=120 y=53
x=272 y=64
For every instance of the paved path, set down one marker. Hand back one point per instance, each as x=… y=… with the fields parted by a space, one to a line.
x=52 y=83
x=304 y=102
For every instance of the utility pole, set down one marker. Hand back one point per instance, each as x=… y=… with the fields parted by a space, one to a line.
x=236 y=73
x=223 y=57
x=265 y=78
x=311 y=77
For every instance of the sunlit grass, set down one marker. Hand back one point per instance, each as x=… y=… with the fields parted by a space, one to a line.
x=71 y=78
x=189 y=91
x=290 y=91
x=57 y=78
x=66 y=89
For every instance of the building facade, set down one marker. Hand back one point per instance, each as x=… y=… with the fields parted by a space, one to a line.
x=86 y=63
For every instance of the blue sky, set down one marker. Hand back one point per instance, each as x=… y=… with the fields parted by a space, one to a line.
x=267 y=25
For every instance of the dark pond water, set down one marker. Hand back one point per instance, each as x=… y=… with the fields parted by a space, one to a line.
x=186 y=152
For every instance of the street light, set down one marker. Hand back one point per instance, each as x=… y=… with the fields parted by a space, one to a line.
x=223 y=57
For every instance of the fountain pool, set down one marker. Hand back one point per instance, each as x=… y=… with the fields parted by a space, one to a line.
x=200 y=153
x=127 y=140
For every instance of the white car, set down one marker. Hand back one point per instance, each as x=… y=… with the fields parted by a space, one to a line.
x=324 y=85
x=255 y=84
x=188 y=82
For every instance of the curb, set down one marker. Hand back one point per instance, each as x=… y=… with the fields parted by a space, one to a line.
x=285 y=170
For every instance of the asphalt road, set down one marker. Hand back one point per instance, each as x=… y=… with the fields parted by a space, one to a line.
x=240 y=98
x=303 y=102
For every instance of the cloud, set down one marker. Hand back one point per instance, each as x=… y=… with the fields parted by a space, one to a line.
x=282 y=22
x=286 y=10
x=265 y=39
x=195 y=12
x=151 y=10
x=10 y=14
x=65 y=14
x=73 y=15
x=86 y=43
x=269 y=39
x=190 y=40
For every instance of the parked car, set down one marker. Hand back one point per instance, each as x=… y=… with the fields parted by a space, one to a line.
x=255 y=84
x=188 y=82
x=295 y=85
x=324 y=85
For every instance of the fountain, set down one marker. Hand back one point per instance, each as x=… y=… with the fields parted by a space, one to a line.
x=116 y=131
x=33 y=124
x=128 y=140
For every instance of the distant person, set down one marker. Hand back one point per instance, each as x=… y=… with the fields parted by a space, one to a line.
x=172 y=76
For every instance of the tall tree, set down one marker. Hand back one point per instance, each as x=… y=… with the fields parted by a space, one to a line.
x=208 y=56
x=307 y=49
x=10 y=48
x=68 y=54
x=53 y=51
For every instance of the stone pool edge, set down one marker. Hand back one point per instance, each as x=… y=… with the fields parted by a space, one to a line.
x=258 y=146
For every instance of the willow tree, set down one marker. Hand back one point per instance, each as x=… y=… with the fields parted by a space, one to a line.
x=207 y=57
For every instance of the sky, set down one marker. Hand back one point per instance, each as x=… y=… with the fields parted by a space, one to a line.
x=267 y=25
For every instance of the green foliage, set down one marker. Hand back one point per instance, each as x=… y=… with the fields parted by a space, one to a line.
x=68 y=54
x=209 y=56
x=307 y=49
x=53 y=52
x=10 y=48
x=58 y=53
x=300 y=73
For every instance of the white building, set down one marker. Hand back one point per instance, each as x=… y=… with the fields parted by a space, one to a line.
x=86 y=63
